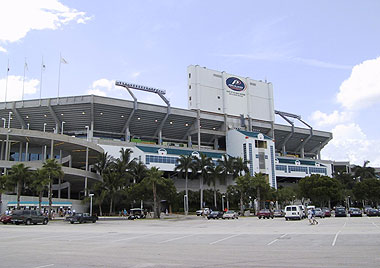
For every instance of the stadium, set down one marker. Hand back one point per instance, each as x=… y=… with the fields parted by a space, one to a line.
x=227 y=114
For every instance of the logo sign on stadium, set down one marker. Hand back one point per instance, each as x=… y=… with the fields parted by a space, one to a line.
x=235 y=84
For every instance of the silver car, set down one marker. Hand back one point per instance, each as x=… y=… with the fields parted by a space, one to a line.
x=319 y=213
x=230 y=214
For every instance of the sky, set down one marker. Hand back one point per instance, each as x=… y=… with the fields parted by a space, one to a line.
x=322 y=57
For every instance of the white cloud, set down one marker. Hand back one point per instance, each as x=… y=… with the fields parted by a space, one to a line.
x=351 y=143
x=104 y=84
x=323 y=119
x=96 y=92
x=3 y=50
x=18 y=17
x=362 y=88
x=14 y=90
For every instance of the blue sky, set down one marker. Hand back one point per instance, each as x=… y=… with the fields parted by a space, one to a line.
x=323 y=57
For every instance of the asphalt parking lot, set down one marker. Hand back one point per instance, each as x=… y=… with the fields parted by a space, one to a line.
x=194 y=242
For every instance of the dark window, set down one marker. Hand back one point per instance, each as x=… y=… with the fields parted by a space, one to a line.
x=189 y=75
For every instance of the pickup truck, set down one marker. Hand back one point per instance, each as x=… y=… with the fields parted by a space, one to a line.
x=82 y=217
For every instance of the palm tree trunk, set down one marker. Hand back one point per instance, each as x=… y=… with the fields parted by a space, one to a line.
x=201 y=188
x=18 y=194
x=187 y=195
x=215 y=196
x=100 y=210
x=241 y=204
x=156 y=215
x=258 y=198
x=40 y=200
x=50 y=197
x=111 y=205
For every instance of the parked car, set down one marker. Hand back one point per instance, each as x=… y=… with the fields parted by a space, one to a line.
x=340 y=212
x=373 y=212
x=366 y=208
x=278 y=213
x=355 y=212
x=293 y=212
x=202 y=212
x=319 y=213
x=230 y=214
x=6 y=219
x=82 y=217
x=327 y=212
x=28 y=217
x=265 y=213
x=215 y=215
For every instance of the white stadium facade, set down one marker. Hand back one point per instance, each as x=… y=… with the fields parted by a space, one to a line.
x=227 y=114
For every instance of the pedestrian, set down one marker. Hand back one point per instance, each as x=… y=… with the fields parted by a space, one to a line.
x=313 y=217
x=310 y=216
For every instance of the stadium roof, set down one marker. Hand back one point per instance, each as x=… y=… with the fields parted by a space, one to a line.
x=109 y=117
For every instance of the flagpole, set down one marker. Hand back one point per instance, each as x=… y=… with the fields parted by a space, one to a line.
x=42 y=64
x=6 y=84
x=59 y=75
x=23 y=82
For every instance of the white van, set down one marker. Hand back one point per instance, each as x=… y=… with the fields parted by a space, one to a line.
x=293 y=212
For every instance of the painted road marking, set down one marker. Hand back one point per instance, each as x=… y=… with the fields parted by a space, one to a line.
x=173 y=239
x=335 y=238
x=274 y=241
x=220 y=240
x=43 y=266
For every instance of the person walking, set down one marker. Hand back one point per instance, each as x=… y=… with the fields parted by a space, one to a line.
x=313 y=217
x=310 y=216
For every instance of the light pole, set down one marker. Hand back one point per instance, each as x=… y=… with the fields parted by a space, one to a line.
x=63 y=122
x=223 y=196
x=87 y=130
x=91 y=195
x=45 y=126
x=28 y=125
x=5 y=121
x=9 y=119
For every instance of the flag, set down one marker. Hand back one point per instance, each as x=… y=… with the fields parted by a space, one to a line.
x=63 y=60
x=26 y=66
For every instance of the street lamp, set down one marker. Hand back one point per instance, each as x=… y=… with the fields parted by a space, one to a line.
x=9 y=119
x=5 y=121
x=63 y=122
x=28 y=125
x=88 y=129
x=223 y=196
x=45 y=126
x=91 y=195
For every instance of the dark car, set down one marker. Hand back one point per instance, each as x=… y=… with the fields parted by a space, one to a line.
x=373 y=212
x=215 y=215
x=327 y=212
x=278 y=213
x=355 y=212
x=82 y=217
x=136 y=213
x=28 y=217
x=340 y=212
x=6 y=219
x=265 y=213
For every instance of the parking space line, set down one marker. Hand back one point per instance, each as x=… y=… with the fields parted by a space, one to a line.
x=134 y=237
x=43 y=266
x=375 y=225
x=335 y=238
x=270 y=243
x=220 y=240
x=173 y=239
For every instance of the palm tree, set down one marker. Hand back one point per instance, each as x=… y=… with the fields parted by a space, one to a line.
x=200 y=166
x=18 y=176
x=103 y=163
x=138 y=171
x=153 y=178
x=100 y=192
x=112 y=185
x=227 y=163
x=259 y=182
x=364 y=172
x=53 y=171
x=215 y=174
x=184 y=164
x=240 y=166
x=39 y=184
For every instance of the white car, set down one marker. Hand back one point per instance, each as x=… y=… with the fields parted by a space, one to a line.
x=293 y=212
x=202 y=212
x=230 y=214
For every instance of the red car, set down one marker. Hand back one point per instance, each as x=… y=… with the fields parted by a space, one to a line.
x=327 y=212
x=265 y=213
x=6 y=219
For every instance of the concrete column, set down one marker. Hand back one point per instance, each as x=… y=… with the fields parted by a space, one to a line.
x=59 y=188
x=52 y=149
x=20 y=152
x=302 y=152
x=85 y=179
x=27 y=151
x=2 y=150
x=60 y=156
x=56 y=130
x=283 y=150
x=127 y=135
x=189 y=142
x=319 y=155
x=91 y=131
x=216 y=143
x=69 y=191
x=160 y=137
